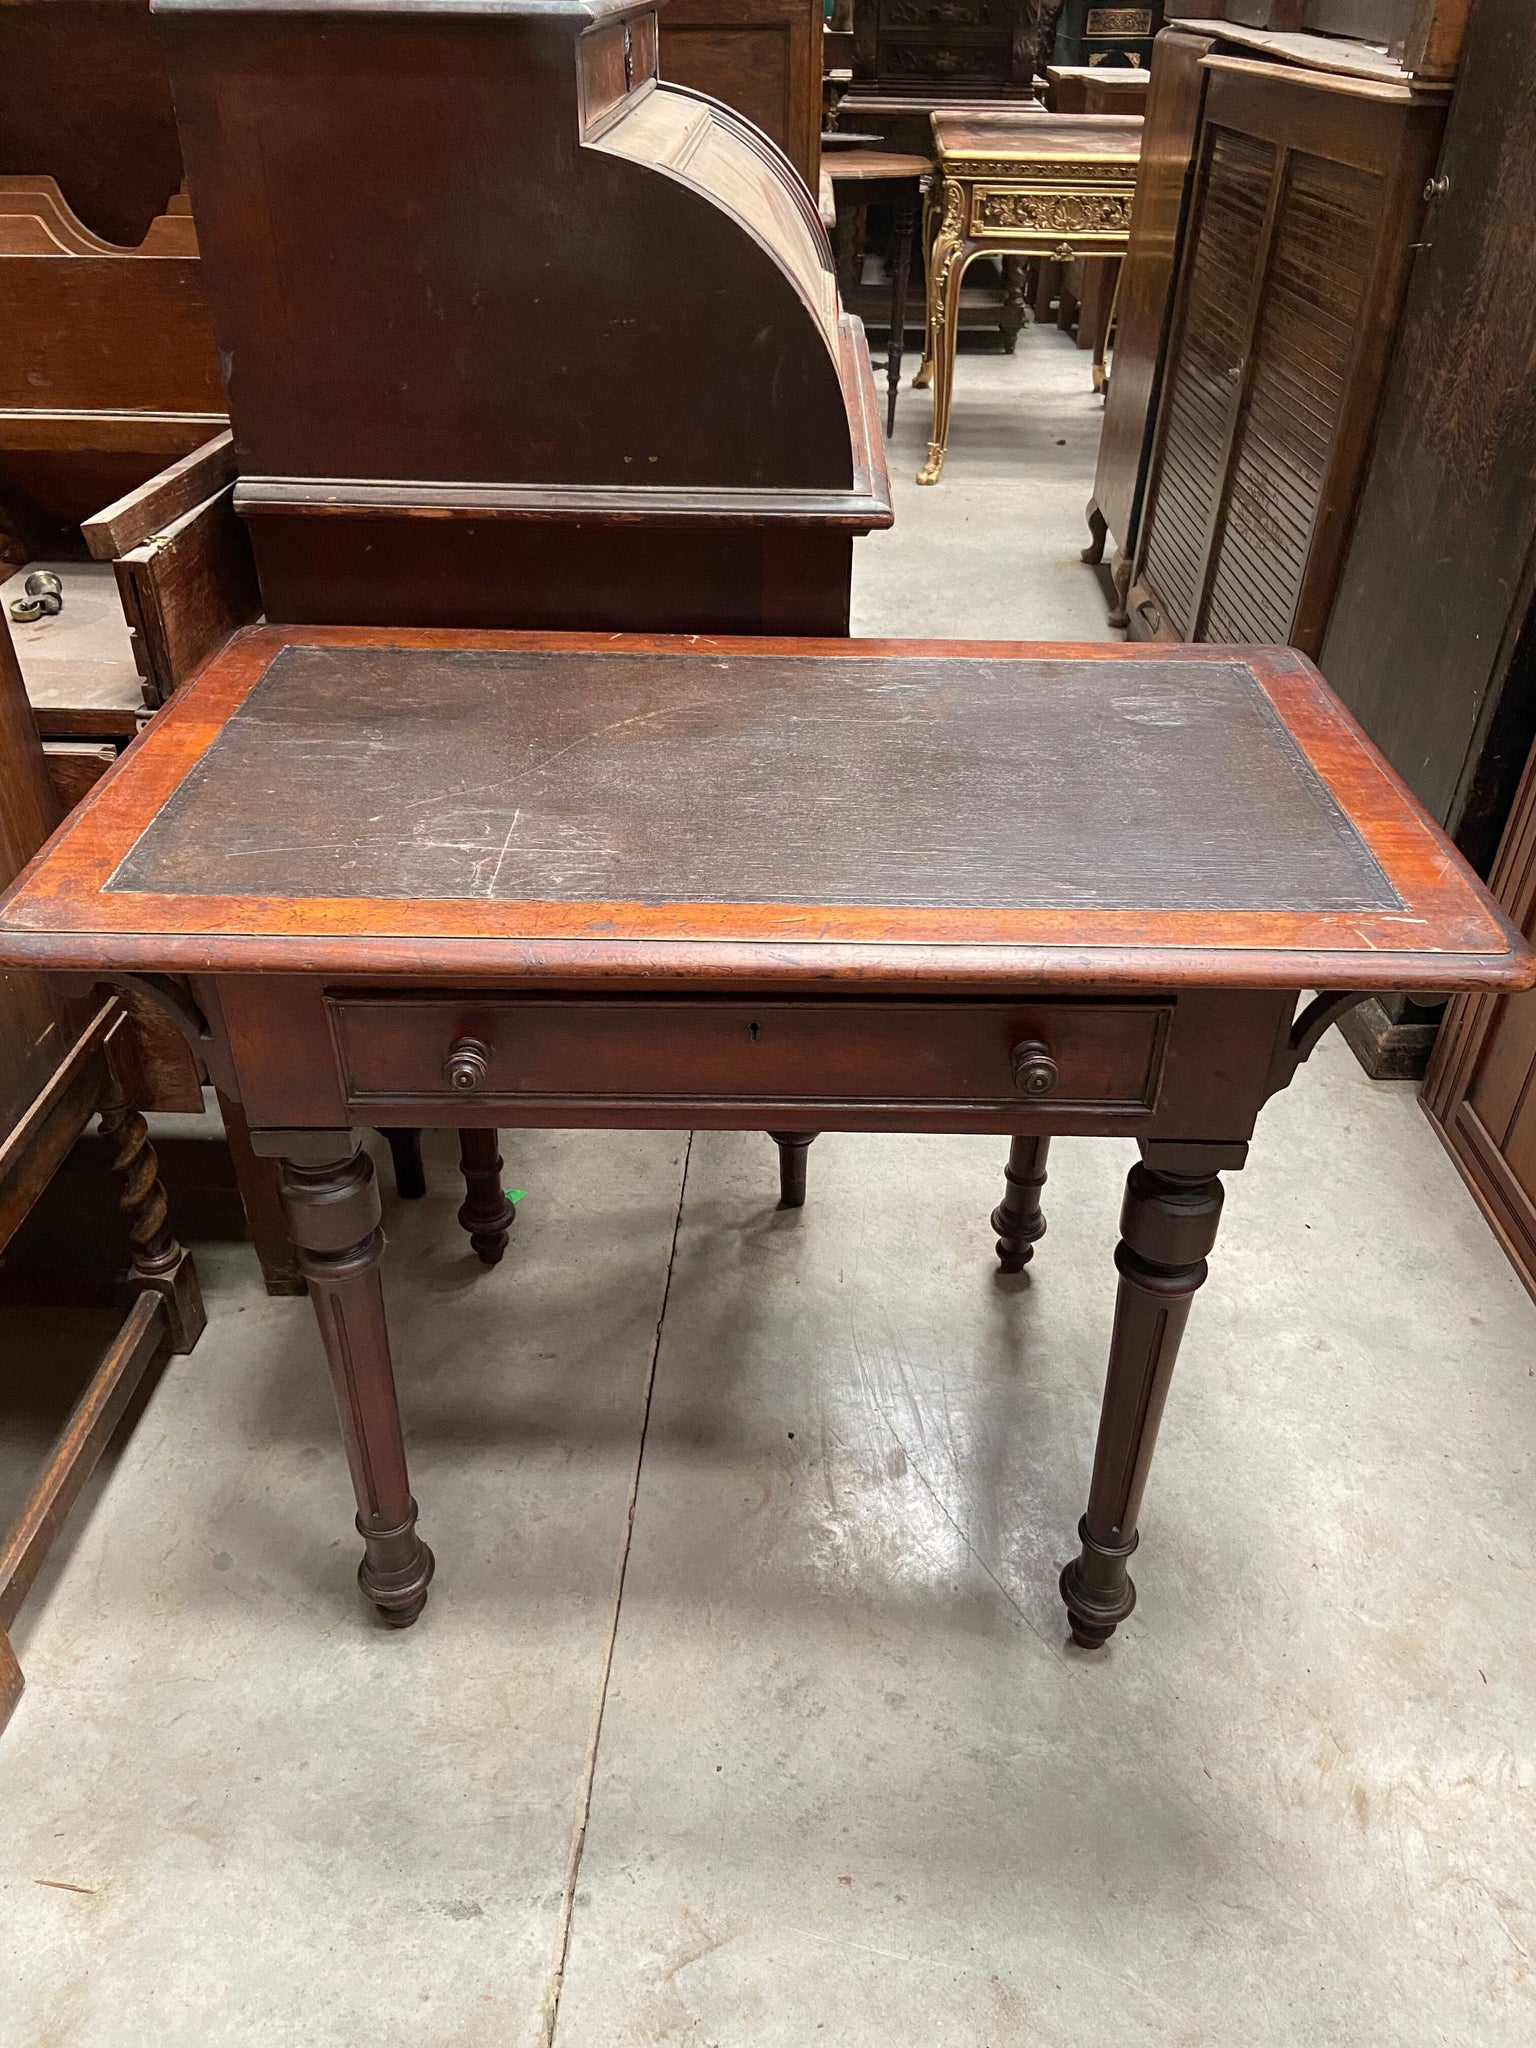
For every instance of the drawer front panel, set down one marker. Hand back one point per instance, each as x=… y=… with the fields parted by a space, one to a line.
x=1106 y=1056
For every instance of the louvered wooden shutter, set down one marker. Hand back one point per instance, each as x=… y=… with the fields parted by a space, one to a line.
x=1309 y=317
x=1302 y=225
x=1205 y=376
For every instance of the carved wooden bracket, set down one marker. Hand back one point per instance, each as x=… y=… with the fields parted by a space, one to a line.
x=174 y=999
x=1308 y=1028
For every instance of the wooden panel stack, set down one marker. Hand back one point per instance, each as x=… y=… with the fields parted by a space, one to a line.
x=107 y=362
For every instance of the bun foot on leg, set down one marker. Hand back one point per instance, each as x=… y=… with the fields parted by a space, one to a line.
x=486 y=1212
x=1098 y=1589
x=1017 y=1218
x=396 y=1570
x=1167 y=1225
x=332 y=1204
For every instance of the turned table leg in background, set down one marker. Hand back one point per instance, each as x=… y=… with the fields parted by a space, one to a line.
x=902 y=233
x=1017 y=1218
x=332 y=1205
x=793 y=1146
x=1167 y=1225
x=404 y=1142
x=487 y=1213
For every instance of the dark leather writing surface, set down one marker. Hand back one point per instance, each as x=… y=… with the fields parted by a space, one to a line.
x=655 y=778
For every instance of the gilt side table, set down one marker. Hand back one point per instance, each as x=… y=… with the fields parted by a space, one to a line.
x=555 y=880
x=1057 y=186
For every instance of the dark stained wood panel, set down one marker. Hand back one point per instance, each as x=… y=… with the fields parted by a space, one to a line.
x=642 y=778
x=1145 y=290
x=1432 y=643
x=1480 y=1092
x=84 y=99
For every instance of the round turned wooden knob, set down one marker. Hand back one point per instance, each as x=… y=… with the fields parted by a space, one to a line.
x=467 y=1065
x=1034 y=1071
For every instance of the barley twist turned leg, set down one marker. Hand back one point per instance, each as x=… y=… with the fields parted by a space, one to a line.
x=160 y=1264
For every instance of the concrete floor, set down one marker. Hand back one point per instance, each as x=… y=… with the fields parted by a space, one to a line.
x=742 y=1712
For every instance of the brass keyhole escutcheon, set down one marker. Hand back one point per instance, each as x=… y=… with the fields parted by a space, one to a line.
x=1034 y=1071
x=467 y=1066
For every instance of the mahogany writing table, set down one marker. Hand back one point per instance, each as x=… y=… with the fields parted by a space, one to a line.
x=433 y=877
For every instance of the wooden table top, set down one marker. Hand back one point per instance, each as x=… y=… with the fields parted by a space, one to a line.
x=857 y=166
x=555 y=806
x=1036 y=137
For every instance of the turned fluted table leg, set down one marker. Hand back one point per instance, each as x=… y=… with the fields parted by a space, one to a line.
x=1167 y=1225
x=1017 y=1218
x=332 y=1205
x=487 y=1213
x=793 y=1146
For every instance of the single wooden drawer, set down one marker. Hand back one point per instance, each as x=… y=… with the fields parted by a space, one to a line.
x=501 y=1048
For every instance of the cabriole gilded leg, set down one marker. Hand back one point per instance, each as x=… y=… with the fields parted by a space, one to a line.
x=332 y=1206
x=944 y=298
x=1167 y=1226
x=1017 y=1218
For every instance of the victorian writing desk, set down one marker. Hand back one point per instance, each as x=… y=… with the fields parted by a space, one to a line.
x=555 y=880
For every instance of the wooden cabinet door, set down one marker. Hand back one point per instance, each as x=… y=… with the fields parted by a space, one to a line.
x=1308 y=195
x=1424 y=644
x=1480 y=1091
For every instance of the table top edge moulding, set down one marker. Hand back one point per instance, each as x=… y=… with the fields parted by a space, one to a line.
x=1428 y=925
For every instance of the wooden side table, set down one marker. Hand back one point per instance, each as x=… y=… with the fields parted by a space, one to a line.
x=1050 y=185
x=861 y=178
x=1049 y=891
